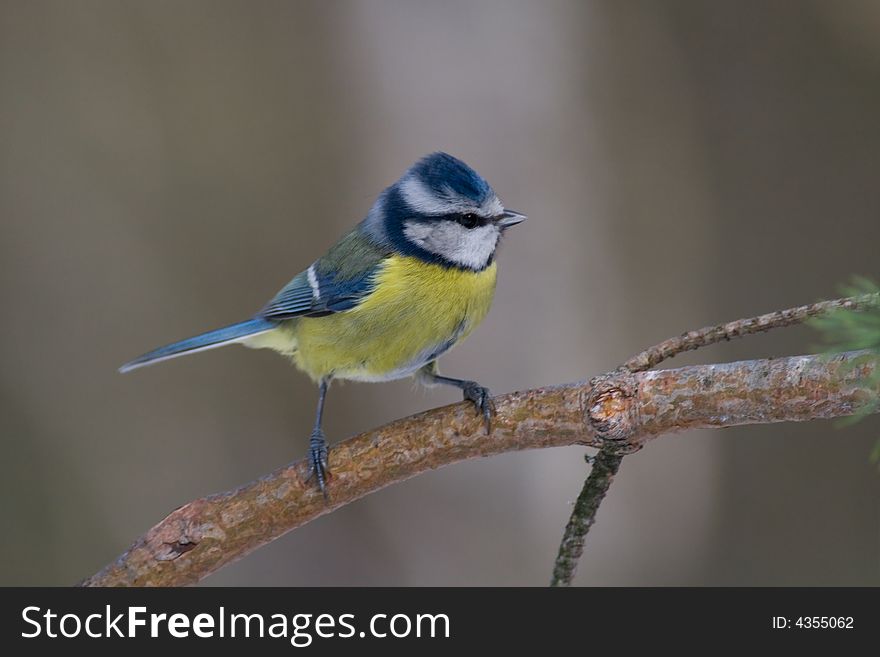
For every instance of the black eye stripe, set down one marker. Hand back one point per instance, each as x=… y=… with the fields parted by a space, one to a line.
x=470 y=220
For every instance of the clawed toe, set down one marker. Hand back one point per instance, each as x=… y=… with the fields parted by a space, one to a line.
x=318 y=462
x=482 y=399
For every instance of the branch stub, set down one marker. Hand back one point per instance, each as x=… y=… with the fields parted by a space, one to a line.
x=611 y=410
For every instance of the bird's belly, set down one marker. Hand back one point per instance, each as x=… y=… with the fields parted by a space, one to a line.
x=417 y=312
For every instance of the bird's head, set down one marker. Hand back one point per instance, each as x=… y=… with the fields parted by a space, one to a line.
x=442 y=211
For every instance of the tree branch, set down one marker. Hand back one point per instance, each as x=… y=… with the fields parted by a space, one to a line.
x=620 y=409
x=724 y=332
x=605 y=466
x=584 y=513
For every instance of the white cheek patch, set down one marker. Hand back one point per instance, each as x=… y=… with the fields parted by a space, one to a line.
x=417 y=232
x=467 y=247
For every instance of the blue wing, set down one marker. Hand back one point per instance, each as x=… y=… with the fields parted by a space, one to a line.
x=329 y=294
x=294 y=300
x=335 y=283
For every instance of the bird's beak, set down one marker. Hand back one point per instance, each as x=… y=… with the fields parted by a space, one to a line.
x=510 y=218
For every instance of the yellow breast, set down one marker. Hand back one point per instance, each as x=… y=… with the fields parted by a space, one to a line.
x=416 y=311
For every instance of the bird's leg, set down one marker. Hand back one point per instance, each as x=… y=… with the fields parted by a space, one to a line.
x=318 y=444
x=473 y=391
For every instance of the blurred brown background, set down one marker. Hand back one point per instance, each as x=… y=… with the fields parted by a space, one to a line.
x=166 y=166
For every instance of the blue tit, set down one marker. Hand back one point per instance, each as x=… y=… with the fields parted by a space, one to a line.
x=407 y=284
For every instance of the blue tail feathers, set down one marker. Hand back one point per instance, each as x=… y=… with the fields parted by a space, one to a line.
x=209 y=340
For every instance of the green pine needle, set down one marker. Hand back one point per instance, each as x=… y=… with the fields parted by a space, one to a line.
x=849 y=330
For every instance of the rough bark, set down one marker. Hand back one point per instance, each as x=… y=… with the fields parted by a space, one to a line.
x=605 y=466
x=742 y=327
x=620 y=410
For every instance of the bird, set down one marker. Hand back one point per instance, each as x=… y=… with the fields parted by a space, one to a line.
x=409 y=282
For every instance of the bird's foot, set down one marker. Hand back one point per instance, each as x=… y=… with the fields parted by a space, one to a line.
x=482 y=399
x=318 y=460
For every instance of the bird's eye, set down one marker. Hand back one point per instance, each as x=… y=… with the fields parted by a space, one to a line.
x=469 y=220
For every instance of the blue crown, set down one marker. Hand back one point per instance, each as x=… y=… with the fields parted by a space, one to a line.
x=442 y=172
